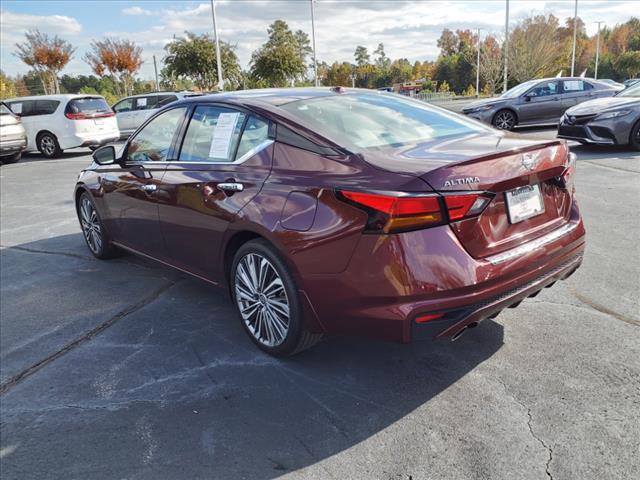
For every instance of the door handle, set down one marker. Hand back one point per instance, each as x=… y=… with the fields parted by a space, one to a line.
x=230 y=187
x=150 y=187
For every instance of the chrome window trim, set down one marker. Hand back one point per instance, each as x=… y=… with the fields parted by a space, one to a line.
x=532 y=245
x=254 y=151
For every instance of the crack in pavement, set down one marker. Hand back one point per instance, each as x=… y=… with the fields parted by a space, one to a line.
x=591 y=162
x=20 y=376
x=547 y=467
x=47 y=252
x=602 y=309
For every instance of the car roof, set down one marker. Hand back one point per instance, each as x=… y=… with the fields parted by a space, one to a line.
x=151 y=94
x=60 y=97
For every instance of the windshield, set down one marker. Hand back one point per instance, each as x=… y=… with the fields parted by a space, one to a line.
x=378 y=120
x=632 y=91
x=519 y=89
x=88 y=105
x=4 y=110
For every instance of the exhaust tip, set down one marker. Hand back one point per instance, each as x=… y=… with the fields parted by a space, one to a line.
x=463 y=330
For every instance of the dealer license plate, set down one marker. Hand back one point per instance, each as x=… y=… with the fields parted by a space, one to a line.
x=524 y=202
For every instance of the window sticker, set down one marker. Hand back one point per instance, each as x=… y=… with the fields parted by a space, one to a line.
x=223 y=135
x=142 y=102
x=572 y=85
x=16 y=108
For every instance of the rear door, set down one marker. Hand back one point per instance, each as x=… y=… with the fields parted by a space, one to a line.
x=224 y=159
x=124 y=114
x=130 y=198
x=543 y=104
x=144 y=107
x=574 y=92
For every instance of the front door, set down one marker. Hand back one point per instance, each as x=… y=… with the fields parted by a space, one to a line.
x=131 y=191
x=224 y=160
x=541 y=104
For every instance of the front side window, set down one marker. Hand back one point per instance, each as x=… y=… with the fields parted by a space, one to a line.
x=212 y=135
x=378 y=120
x=125 y=105
x=544 y=89
x=153 y=142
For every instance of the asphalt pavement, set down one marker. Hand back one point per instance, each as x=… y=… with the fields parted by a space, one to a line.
x=125 y=369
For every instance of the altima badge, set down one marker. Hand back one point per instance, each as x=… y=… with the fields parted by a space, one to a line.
x=461 y=181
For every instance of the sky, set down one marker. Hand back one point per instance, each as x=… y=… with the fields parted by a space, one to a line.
x=408 y=29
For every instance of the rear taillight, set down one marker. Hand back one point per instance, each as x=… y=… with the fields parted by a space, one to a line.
x=84 y=116
x=566 y=178
x=389 y=213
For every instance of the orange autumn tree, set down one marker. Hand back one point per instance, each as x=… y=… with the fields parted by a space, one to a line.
x=120 y=59
x=46 y=55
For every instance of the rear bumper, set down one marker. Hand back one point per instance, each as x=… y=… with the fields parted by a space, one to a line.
x=11 y=147
x=89 y=140
x=391 y=280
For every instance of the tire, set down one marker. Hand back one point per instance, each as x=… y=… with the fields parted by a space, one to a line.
x=48 y=145
x=93 y=231
x=504 y=120
x=15 y=158
x=634 y=137
x=270 y=310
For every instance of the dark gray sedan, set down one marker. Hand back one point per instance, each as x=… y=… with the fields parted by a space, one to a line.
x=537 y=101
x=605 y=121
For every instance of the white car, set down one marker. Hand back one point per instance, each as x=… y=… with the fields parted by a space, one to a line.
x=54 y=123
x=131 y=112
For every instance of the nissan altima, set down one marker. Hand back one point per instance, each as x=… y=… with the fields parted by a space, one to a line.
x=605 y=121
x=335 y=211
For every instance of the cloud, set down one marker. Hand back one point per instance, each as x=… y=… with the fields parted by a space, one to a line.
x=137 y=11
x=14 y=25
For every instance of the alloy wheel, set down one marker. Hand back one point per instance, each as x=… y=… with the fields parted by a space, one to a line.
x=504 y=120
x=91 y=225
x=48 y=145
x=262 y=300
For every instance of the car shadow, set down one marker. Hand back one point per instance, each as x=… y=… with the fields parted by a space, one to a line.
x=174 y=387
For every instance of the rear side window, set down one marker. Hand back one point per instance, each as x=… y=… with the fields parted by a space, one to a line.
x=31 y=108
x=146 y=103
x=89 y=105
x=212 y=135
x=255 y=133
x=166 y=100
x=571 y=86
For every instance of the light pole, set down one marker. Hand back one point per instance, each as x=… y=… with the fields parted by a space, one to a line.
x=313 y=39
x=215 y=32
x=506 y=47
x=575 y=33
x=478 y=68
x=597 y=50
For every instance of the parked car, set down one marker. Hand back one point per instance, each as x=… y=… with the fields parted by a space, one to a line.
x=55 y=123
x=131 y=112
x=605 y=121
x=537 y=101
x=13 y=139
x=631 y=81
x=339 y=211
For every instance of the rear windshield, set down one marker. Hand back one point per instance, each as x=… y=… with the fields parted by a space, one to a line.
x=378 y=120
x=88 y=105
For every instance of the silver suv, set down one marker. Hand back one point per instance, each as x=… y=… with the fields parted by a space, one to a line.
x=537 y=101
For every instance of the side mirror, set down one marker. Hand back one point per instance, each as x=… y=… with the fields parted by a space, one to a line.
x=105 y=155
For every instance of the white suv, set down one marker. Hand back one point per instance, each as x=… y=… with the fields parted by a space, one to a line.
x=131 y=112
x=54 y=123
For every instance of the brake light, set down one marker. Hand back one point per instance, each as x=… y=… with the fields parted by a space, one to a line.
x=84 y=116
x=566 y=178
x=402 y=213
x=428 y=318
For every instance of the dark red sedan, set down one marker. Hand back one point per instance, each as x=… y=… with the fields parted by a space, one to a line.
x=333 y=211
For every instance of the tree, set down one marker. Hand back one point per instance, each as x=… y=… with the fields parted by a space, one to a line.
x=491 y=64
x=339 y=74
x=119 y=58
x=194 y=57
x=533 y=48
x=278 y=62
x=7 y=87
x=448 y=42
x=362 y=56
x=304 y=45
x=382 y=61
x=46 y=55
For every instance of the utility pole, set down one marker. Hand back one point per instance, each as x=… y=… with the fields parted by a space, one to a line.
x=506 y=48
x=478 y=69
x=575 y=33
x=353 y=80
x=313 y=38
x=215 y=32
x=597 y=49
x=155 y=68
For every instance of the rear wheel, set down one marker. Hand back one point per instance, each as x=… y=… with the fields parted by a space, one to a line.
x=93 y=229
x=15 y=158
x=48 y=145
x=268 y=302
x=634 y=137
x=505 y=120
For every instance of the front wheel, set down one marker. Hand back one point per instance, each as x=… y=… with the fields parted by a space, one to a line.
x=634 y=137
x=268 y=302
x=48 y=145
x=93 y=229
x=505 y=120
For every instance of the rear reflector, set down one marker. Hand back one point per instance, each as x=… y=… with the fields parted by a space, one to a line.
x=426 y=318
x=461 y=206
